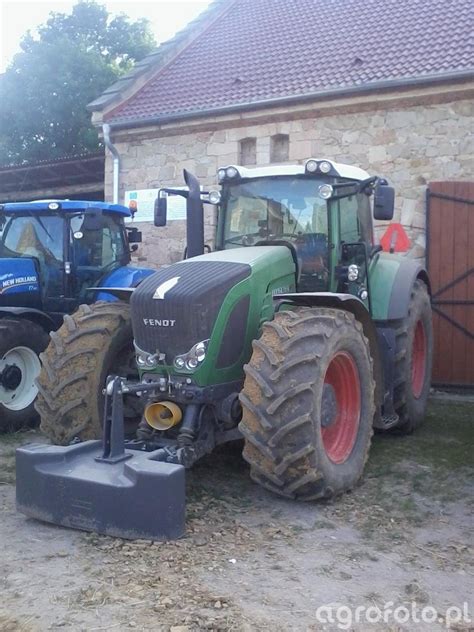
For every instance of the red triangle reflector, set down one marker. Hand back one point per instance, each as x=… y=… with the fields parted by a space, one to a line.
x=395 y=239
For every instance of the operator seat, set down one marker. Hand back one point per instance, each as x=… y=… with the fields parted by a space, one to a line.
x=313 y=262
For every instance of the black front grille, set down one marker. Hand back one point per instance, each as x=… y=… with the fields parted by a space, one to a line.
x=187 y=313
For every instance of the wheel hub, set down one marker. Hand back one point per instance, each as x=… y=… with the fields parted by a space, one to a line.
x=328 y=406
x=10 y=377
x=340 y=407
x=19 y=368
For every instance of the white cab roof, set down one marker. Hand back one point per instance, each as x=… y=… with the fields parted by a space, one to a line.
x=344 y=171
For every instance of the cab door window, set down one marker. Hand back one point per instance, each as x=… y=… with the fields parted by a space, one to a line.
x=96 y=251
x=355 y=234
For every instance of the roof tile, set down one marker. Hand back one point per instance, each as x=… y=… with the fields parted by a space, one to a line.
x=265 y=49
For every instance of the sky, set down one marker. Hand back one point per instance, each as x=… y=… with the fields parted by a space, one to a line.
x=18 y=16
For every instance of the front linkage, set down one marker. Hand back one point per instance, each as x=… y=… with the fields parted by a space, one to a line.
x=203 y=424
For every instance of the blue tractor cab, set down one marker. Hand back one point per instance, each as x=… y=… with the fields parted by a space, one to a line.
x=52 y=253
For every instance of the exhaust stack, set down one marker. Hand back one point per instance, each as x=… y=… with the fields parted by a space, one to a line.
x=194 y=217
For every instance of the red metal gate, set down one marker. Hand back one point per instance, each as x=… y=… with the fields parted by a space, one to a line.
x=450 y=261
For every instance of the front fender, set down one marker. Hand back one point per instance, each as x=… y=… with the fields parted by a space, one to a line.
x=124 y=277
x=351 y=304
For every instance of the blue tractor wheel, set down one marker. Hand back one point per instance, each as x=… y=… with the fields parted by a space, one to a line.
x=21 y=342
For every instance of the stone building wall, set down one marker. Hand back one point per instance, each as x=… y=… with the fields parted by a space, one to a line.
x=410 y=144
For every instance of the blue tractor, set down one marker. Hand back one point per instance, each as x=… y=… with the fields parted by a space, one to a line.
x=51 y=254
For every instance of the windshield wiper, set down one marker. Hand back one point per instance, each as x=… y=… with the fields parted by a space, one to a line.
x=40 y=222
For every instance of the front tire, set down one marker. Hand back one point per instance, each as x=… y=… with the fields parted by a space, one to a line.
x=21 y=342
x=96 y=341
x=308 y=404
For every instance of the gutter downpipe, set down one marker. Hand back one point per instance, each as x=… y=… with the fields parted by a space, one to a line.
x=116 y=156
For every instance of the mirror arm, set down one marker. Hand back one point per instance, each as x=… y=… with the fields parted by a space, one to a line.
x=181 y=192
x=374 y=250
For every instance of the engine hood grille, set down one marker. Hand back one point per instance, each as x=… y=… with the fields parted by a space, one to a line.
x=177 y=307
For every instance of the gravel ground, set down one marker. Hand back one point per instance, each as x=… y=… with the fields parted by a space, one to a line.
x=251 y=561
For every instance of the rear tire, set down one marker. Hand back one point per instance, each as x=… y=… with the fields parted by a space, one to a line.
x=308 y=404
x=96 y=341
x=21 y=342
x=414 y=360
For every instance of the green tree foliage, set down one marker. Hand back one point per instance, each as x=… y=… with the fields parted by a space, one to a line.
x=44 y=92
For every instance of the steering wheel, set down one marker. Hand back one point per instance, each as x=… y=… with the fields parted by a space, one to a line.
x=241 y=238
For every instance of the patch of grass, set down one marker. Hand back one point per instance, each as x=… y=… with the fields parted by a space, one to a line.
x=7 y=471
x=19 y=438
x=426 y=462
x=408 y=477
x=444 y=441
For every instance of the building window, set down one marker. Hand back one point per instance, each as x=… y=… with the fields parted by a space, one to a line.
x=279 y=147
x=248 y=151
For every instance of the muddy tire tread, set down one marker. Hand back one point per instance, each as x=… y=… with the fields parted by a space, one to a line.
x=281 y=453
x=70 y=400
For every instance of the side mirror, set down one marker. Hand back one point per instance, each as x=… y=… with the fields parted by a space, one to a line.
x=134 y=236
x=92 y=219
x=384 y=201
x=161 y=208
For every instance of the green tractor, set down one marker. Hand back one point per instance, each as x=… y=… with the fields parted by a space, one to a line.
x=297 y=333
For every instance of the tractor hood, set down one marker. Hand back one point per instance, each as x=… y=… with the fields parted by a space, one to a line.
x=216 y=298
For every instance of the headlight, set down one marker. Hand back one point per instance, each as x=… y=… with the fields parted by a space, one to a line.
x=192 y=363
x=319 y=166
x=325 y=166
x=221 y=175
x=200 y=351
x=325 y=191
x=151 y=361
x=195 y=356
x=353 y=272
x=146 y=360
x=311 y=166
x=214 y=197
x=141 y=362
x=231 y=172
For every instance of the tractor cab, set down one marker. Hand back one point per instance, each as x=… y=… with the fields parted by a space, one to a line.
x=320 y=210
x=52 y=251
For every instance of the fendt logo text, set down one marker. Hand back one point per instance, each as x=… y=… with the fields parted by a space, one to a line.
x=154 y=322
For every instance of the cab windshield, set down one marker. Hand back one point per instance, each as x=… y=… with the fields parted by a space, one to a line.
x=32 y=235
x=269 y=209
x=291 y=209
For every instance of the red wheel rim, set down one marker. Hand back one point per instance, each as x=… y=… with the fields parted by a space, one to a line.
x=418 y=360
x=340 y=435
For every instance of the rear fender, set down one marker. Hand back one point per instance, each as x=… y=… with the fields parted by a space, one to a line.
x=351 y=304
x=408 y=272
x=391 y=280
x=35 y=315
